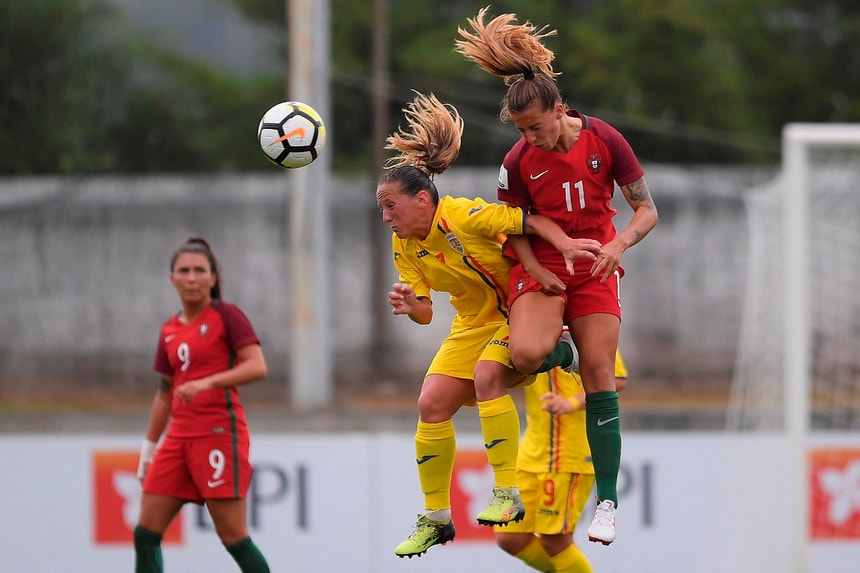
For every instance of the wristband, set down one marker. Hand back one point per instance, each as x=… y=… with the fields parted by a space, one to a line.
x=147 y=452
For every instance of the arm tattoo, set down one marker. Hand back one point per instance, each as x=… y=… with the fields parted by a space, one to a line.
x=165 y=385
x=638 y=190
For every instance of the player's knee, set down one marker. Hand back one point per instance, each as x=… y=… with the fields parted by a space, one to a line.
x=527 y=360
x=229 y=540
x=232 y=533
x=509 y=543
x=555 y=544
x=489 y=384
x=598 y=378
x=434 y=409
x=145 y=538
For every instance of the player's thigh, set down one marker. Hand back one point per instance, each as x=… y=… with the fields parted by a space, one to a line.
x=494 y=372
x=535 y=325
x=596 y=338
x=596 y=333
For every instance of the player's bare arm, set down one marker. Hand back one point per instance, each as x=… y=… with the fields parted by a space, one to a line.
x=644 y=219
x=547 y=279
x=570 y=248
x=161 y=407
x=644 y=213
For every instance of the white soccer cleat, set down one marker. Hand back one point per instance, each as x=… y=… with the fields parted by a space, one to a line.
x=602 y=528
x=566 y=338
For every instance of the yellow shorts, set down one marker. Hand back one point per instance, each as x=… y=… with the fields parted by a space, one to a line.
x=462 y=349
x=553 y=501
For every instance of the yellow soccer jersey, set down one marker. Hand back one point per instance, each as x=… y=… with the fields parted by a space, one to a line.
x=557 y=444
x=462 y=256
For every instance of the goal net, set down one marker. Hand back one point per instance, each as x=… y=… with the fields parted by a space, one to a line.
x=798 y=363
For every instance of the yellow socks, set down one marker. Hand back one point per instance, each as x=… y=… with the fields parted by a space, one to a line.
x=500 y=426
x=435 y=447
x=535 y=557
x=571 y=560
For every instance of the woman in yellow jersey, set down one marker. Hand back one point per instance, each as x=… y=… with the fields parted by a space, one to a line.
x=554 y=473
x=454 y=245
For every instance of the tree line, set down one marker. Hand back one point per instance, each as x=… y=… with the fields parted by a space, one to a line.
x=685 y=81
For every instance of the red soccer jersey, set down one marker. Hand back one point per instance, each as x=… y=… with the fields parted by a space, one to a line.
x=575 y=188
x=193 y=351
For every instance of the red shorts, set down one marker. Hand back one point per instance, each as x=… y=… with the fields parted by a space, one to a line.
x=196 y=469
x=584 y=294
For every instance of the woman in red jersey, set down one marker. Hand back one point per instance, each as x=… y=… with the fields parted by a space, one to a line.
x=204 y=353
x=565 y=166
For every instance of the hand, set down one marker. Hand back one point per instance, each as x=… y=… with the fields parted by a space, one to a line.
x=402 y=299
x=556 y=404
x=573 y=249
x=548 y=280
x=185 y=392
x=607 y=261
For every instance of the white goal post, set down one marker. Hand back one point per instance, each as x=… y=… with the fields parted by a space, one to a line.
x=797 y=371
x=798 y=364
x=798 y=139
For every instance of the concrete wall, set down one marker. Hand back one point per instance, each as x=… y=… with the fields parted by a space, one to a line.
x=84 y=268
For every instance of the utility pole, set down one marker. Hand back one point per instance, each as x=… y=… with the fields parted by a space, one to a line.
x=310 y=348
x=380 y=235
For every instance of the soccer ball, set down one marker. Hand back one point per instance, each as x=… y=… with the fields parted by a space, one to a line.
x=291 y=134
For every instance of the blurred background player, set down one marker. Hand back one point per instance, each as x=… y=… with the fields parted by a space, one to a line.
x=555 y=475
x=565 y=166
x=454 y=245
x=204 y=353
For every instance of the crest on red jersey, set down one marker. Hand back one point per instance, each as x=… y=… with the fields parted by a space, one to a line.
x=594 y=163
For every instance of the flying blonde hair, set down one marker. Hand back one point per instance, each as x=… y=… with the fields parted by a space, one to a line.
x=432 y=142
x=507 y=49
x=514 y=52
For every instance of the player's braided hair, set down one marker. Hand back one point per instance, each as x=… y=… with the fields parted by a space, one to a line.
x=197 y=244
x=427 y=148
x=515 y=52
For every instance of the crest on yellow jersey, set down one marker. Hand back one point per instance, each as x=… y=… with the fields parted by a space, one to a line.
x=455 y=243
